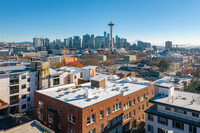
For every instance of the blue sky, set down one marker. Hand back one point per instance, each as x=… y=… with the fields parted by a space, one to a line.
x=155 y=21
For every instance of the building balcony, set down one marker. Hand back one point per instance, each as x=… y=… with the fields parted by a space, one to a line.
x=173 y=116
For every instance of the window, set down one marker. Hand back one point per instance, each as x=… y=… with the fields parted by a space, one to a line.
x=116 y=107
x=133 y=101
x=162 y=120
x=178 y=125
x=168 y=108
x=24 y=96
x=192 y=129
x=180 y=111
x=143 y=107
x=90 y=119
x=102 y=128
x=101 y=114
x=28 y=79
x=40 y=116
x=138 y=118
x=143 y=116
x=116 y=120
x=23 y=106
x=127 y=116
x=71 y=118
x=23 y=77
x=127 y=105
x=162 y=130
x=195 y=114
x=147 y=96
x=92 y=131
x=108 y=111
x=29 y=99
x=138 y=100
x=28 y=89
x=69 y=130
x=50 y=120
x=14 y=99
x=150 y=117
x=14 y=89
x=147 y=104
x=134 y=112
x=152 y=92
x=40 y=104
x=56 y=81
x=150 y=129
x=14 y=79
x=142 y=97
x=59 y=112
x=108 y=124
x=59 y=126
x=138 y=108
x=23 y=86
x=81 y=75
x=74 y=76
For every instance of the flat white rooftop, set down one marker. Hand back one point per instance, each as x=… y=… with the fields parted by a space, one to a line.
x=77 y=96
x=72 y=70
x=100 y=77
x=181 y=99
x=89 y=67
x=30 y=127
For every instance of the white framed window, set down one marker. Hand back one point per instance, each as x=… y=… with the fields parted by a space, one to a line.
x=23 y=86
x=50 y=119
x=142 y=97
x=91 y=119
x=127 y=105
x=117 y=107
x=40 y=104
x=40 y=116
x=101 y=114
x=71 y=118
x=127 y=116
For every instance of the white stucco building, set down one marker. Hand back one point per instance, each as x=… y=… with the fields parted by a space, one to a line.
x=17 y=87
x=173 y=112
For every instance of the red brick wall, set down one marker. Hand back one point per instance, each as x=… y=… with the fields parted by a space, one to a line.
x=82 y=114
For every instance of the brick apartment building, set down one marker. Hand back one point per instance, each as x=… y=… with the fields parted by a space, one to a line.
x=110 y=106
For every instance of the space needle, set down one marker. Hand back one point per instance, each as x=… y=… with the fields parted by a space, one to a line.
x=111 y=24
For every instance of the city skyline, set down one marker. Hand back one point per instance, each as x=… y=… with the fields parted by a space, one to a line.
x=149 y=21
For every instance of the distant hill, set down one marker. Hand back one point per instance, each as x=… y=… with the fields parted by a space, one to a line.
x=25 y=42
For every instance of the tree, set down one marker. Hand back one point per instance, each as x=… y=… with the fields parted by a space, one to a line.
x=193 y=87
x=140 y=128
x=178 y=73
x=163 y=65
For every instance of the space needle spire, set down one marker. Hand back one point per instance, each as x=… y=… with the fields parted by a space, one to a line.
x=111 y=24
